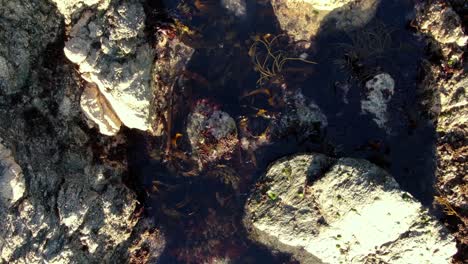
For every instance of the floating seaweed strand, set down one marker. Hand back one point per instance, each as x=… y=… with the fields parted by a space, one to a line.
x=274 y=61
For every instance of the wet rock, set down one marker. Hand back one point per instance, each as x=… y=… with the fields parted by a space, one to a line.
x=342 y=211
x=25 y=24
x=302 y=19
x=111 y=51
x=379 y=92
x=301 y=117
x=235 y=7
x=12 y=185
x=438 y=20
x=62 y=197
x=97 y=109
x=212 y=133
x=172 y=59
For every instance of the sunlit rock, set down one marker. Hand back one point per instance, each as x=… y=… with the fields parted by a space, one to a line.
x=97 y=109
x=212 y=133
x=68 y=8
x=12 y=185
x=302 y=18
x=324 y=210
x=379 y=92
x=112 y=52
x=438 y=19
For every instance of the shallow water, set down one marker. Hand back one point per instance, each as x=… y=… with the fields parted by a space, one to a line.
x=406 y=149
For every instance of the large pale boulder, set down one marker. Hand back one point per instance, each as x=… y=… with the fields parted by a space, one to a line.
x=302 y=18
x=324 y=210
x=112 y=52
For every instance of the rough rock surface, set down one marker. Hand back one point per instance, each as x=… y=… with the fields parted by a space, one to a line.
x=212 y=133
x=12 y=184
x=439 y=21
x=301 y=116
x=22 y=40
x=69 y=8
x=343 y=211
x=303 y=18
x=444 y=92
x=63 y=199
x=379 y=92
x=112 y=52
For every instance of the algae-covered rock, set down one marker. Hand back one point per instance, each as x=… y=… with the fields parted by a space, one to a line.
x=212 y=133
x=324 y=210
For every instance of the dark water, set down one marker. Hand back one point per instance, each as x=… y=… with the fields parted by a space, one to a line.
x=188 y=208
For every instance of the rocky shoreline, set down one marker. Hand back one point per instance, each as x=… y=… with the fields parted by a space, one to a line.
x=80 y=80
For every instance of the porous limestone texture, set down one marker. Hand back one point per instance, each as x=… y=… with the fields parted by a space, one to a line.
x=437 y=19
x=302 y=19
x=70 y=8
x=22 y=40
x=62 y=198
x=324 y=210
x=379 y=92
x=112 y=52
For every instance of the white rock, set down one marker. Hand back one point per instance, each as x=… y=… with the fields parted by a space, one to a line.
x=69 y=7
x=343 y=211
x=96 y=108
x=236 y=7
x=302 y=18
x=380 y=90
x=12 y=185
x=120 y=66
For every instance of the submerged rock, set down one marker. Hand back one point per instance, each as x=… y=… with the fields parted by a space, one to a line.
x=379 y=92
x=302 y=19
x=112 y=52
x=324 y=210
x=235 y=7
x=172 y=58
x=212 y=133
x=301 y=117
